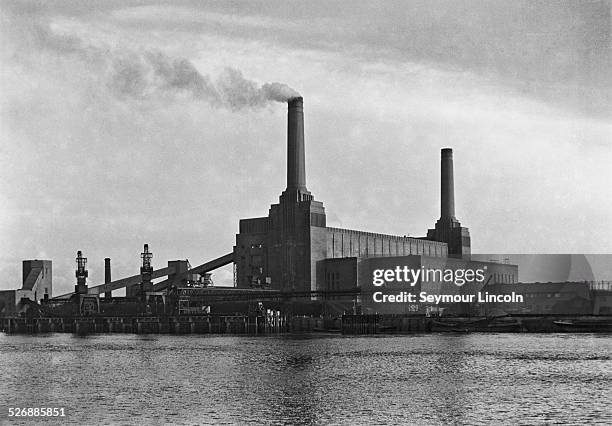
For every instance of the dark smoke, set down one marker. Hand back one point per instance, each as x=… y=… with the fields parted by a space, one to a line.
x=153 y=74
x=149 y=74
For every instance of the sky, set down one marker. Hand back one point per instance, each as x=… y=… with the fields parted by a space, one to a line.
x=132 y=122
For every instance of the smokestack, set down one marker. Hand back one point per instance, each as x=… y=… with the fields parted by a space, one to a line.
x=107 y=270
x=447 y=185
x=296 y=169
x=107 y=275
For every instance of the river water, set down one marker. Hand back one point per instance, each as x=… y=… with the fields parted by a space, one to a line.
x=311 y=379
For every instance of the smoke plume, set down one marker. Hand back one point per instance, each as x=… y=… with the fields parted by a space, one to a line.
x=145 y=74
x=153 y=74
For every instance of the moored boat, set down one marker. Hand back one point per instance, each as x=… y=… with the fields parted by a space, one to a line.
x=578 y=325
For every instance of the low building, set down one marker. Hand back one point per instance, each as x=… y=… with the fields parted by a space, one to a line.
x=37 y=285
x=558 y=298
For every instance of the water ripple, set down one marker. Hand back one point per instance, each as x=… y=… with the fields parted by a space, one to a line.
x=311 y=379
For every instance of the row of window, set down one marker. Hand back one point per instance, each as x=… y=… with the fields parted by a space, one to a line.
x=504 y=278
x=388 y=248
x=548 y=295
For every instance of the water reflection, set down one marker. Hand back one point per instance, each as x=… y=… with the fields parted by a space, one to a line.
x=421 y=379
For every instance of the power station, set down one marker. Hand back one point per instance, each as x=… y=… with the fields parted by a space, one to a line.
x=288 y=262
x=291 y=249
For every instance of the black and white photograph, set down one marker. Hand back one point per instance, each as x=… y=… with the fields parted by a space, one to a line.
x=283 y=212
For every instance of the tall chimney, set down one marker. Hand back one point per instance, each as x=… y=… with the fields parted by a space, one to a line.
x=447 y=185
x=448 y=229
x=107 y=275
x=296 y=169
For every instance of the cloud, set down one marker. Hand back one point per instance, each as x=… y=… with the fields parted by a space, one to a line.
x=142 y=73
x=558 y=52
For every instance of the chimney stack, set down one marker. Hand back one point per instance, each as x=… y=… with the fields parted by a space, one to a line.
x=296 y=169
x=447 y=185
x=448 y=229
x=107 y=270
x=107 y=276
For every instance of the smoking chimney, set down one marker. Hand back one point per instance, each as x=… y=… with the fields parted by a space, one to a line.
x=447 y=185
x=296 y=169
x=107 y=276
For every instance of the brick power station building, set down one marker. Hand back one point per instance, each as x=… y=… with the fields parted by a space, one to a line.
x=292 y=248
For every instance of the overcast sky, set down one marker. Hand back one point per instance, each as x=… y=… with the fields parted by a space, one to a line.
x=130 y=122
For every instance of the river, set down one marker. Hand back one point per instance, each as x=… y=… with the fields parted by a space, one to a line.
x=309 y=379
